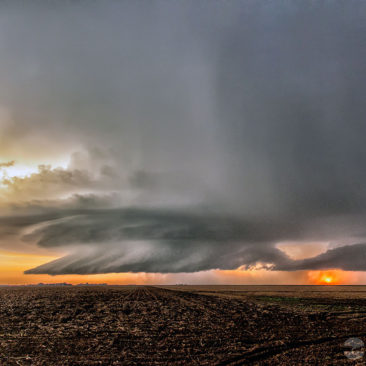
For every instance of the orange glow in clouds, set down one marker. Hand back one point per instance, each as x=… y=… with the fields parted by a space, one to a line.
x=12 y=266
x=331 y=277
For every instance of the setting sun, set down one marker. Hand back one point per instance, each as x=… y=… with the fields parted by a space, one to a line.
x=330 y=277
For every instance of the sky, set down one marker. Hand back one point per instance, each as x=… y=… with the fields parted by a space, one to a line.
x=197 y=142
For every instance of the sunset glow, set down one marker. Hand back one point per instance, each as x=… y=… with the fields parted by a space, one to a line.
x=335 y=277
x=13 y=265
x=228 y=150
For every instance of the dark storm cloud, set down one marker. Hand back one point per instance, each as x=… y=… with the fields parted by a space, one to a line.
x=348 y=258
x=134 y=240
x=254 y=110
x=100 y=226
x=156 y=241
x=156 y=259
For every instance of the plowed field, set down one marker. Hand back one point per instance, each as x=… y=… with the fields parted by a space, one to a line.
x=159 y=326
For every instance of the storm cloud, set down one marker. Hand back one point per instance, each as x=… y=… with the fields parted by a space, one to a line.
x=197 y=135
x=167 y=241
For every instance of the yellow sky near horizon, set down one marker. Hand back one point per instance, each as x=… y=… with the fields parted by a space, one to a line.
x=13 y=265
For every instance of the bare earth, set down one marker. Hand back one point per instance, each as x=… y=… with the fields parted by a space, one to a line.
x=180 y=325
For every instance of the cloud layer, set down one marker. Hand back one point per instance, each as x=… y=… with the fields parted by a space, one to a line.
x=167 y=241
x=196 y=136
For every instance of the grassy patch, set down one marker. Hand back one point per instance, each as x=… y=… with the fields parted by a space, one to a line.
x=313 y=304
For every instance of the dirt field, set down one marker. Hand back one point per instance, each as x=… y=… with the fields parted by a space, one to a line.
x=182 y=325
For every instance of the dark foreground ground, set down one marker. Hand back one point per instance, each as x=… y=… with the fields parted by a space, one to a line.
x=179 y=325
